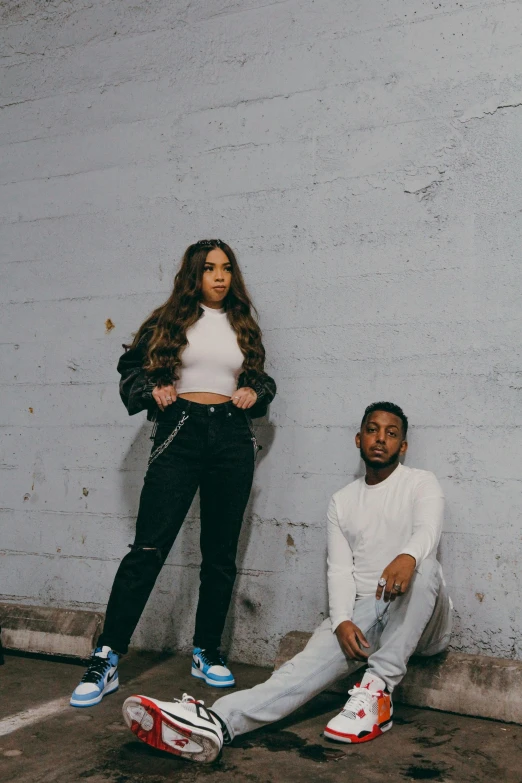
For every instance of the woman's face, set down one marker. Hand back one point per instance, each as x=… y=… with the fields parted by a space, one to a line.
x=217 y=278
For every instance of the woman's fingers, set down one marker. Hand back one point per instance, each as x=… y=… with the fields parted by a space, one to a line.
x=169 y=394
x=164 y=396
x=157 y=397
x=244 y=398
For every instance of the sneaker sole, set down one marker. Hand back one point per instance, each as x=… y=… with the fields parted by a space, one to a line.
x=201 y=676
x=338 y=736
x=92 y=702
x=149 y=723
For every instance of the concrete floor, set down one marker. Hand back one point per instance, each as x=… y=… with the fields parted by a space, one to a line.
x=94 y=745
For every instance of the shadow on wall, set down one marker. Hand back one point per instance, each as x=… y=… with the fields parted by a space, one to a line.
x=265 y=440
x=168 y=620
x=133 y=461
x=174 y=598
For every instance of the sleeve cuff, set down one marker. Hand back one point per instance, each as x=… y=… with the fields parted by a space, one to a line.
x=148 y=389
x=412 y=552
x=338 y=619
x=259 y=390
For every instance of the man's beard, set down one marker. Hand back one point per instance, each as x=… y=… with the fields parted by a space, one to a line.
x=377 y=464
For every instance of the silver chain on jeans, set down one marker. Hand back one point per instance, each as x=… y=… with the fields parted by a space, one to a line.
x=253 y=436
x=166 y=443
x=378 y=613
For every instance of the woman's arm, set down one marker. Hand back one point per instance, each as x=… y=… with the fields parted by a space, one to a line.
x=136 y=386
x=265 y=388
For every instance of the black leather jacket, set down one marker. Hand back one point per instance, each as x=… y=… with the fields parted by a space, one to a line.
x=136 y=385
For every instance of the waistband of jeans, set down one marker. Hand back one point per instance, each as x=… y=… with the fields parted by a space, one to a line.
x=197 y=409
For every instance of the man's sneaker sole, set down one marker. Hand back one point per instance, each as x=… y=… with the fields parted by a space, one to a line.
x=115 y=684
x=165 y=732
x=377 y=731
x=210 y=681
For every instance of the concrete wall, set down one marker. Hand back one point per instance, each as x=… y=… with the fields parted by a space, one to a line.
x=364 y=158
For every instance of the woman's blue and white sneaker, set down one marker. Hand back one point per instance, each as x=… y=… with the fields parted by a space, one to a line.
x=100 y=678
x=210 y=666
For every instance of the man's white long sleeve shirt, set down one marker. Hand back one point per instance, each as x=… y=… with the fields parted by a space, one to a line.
x=369 y=525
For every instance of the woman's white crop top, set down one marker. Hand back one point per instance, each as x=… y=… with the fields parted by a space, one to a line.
x=212 y=360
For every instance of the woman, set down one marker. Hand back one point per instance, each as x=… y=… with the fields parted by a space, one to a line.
x=197 y=366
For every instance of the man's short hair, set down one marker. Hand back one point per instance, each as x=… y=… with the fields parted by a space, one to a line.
x=389 y=407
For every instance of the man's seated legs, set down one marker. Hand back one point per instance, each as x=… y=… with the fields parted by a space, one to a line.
x=421 y=615
x=406 y=620
x=393 y=630
x=168 y=725
x=418 y=621
x=319 y=665
x=436 y=635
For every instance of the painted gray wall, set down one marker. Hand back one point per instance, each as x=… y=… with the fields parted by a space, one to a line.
x=364 y=158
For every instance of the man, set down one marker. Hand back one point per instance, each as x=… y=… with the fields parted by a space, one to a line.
x=387 y=600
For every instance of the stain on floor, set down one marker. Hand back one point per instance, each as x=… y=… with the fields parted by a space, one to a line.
x=94 y=745
x=275 y=742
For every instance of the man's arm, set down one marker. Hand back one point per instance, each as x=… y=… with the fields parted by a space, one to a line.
x=341 y=582
x=341 y=590
x=428 y=517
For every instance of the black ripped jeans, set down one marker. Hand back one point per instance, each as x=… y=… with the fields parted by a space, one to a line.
x=214 y=449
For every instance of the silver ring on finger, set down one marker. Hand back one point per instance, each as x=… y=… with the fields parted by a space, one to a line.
x=397 y=588
x=382 y=582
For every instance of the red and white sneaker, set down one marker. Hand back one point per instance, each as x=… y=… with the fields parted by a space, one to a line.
x=366 y=715
x=183 y=727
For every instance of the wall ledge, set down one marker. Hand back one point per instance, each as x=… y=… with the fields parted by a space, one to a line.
x=48 y=630
x=474 y=685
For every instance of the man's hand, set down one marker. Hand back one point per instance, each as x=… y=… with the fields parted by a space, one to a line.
x=398 y=577
x=164 y=396
x=352 y=640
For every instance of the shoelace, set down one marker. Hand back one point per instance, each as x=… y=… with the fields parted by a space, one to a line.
x=212 y=658
x=186 y=699
x=96 y=669
x=359 y=698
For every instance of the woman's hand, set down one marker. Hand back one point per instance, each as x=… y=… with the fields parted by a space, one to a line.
x=164 y=396
x=244 y=398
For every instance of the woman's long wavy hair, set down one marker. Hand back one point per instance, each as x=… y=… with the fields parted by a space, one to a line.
x=166 y=327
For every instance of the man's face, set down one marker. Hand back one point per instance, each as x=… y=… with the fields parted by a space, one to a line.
x=380 y=440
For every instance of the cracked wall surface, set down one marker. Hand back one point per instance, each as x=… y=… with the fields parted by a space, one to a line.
x=365 y=161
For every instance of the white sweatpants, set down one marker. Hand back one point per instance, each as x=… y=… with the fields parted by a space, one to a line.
x=419 y=621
